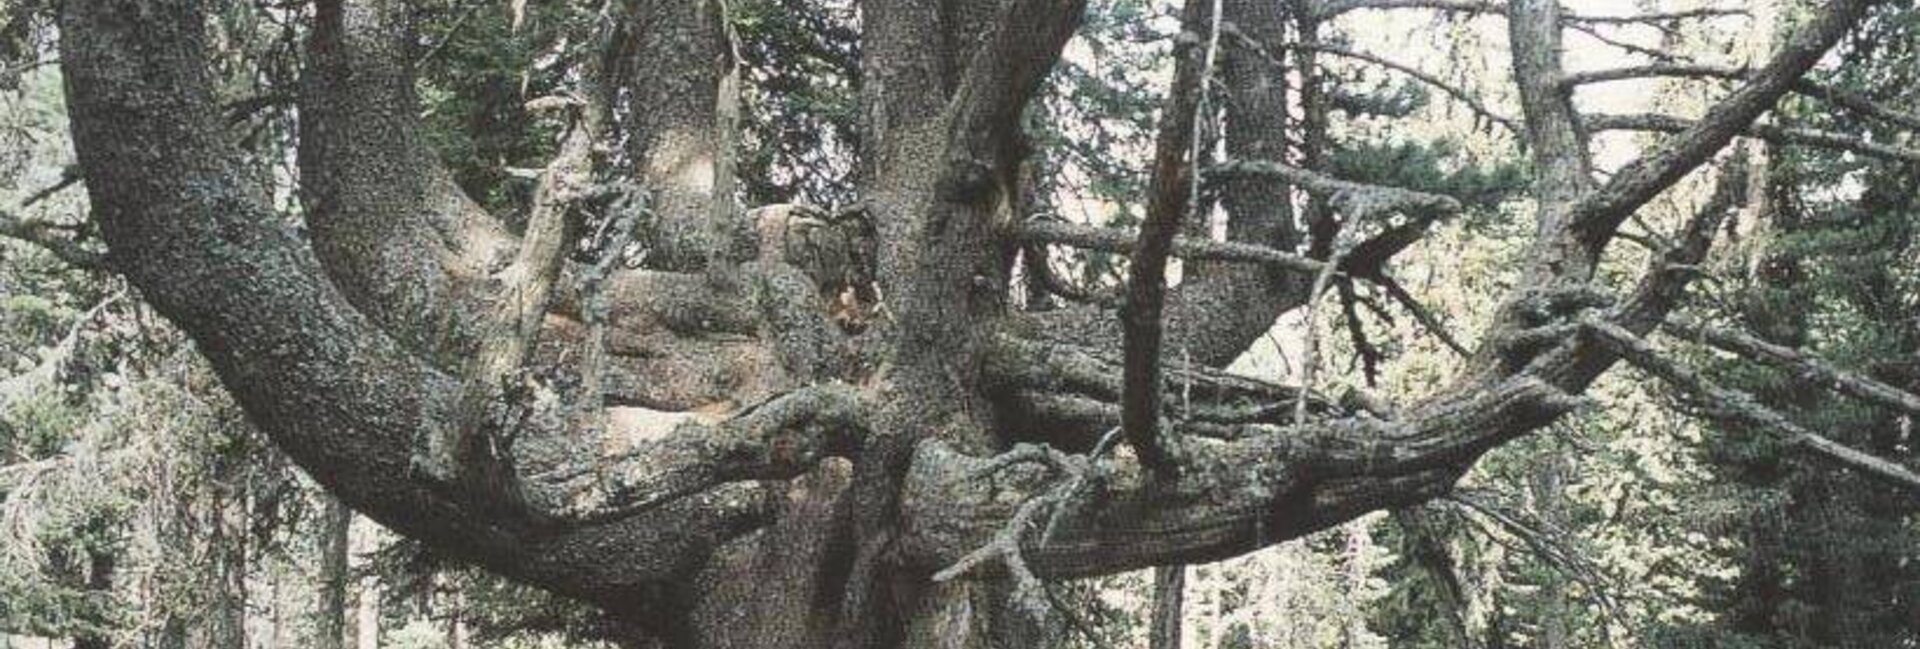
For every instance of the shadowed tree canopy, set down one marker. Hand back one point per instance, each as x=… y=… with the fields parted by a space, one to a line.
x=835 y=391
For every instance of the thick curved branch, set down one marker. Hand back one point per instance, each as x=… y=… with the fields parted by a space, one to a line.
x=1734 y=405
x=185 y=222
x=403 y=242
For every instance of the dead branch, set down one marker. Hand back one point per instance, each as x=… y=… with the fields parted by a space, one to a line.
x=1331 y=8
x=1358 y=199
x=41 y=235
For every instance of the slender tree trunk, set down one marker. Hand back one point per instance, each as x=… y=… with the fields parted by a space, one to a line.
x=100 y=568
x=366 y=628
x=330 y=617
x=1169 y=597
x=1548 y=484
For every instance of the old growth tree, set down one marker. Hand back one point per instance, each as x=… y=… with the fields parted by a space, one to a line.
x=871 y=425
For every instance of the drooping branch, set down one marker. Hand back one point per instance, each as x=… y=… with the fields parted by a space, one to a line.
x=1769 y=132
x=1804 y=366
x=1737 y=406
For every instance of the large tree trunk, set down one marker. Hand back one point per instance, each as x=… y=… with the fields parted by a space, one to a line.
x=814 y=489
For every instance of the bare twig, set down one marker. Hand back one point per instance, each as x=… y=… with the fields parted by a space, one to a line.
x=1359 y=199
x=1851 y=101
x=41 y=235
x=68 y=176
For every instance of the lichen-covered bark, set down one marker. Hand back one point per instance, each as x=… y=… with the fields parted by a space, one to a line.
x=669 y=59
x=805 y=481
x=402 y=242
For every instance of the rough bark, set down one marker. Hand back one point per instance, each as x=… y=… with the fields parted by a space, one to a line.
x=803 y=502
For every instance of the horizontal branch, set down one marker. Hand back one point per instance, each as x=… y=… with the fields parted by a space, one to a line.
x=1360 y=199
x=1466 y=98
x=1851 y=101
x=1769 y=132
x=1734 y=405
x=675 y=458
x=1271 y=484
x=1046 y=231
x=1805 y=366
x=1332 y=8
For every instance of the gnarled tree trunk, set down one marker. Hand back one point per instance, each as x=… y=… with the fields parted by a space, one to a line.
x=812 y=487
